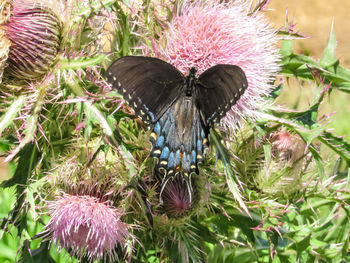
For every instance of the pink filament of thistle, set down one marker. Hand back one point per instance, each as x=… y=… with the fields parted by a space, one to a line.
x=86 y=226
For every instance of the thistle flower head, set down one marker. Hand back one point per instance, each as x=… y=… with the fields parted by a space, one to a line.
x=281 y=175
x=287 y=146
x=204 y=34
x=284 y=140
x=34 y=32
x=179 y=196
x=86 y=226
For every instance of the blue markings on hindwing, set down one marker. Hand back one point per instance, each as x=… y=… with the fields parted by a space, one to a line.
x=186 y=162
x=159 y=142
x=165 y=153
x=202 y=133
x=171 y=162
x=177 y=158
x=151 y=115
x=178 y=141
x=157 y=128
x=199 y=145
x=193 y=156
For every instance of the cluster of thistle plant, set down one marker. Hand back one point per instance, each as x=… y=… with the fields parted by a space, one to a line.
x=274 y=186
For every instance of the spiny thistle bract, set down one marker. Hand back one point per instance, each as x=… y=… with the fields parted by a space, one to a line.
x=34 y=32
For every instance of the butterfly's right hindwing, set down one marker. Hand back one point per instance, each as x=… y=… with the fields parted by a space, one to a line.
x=149 y=85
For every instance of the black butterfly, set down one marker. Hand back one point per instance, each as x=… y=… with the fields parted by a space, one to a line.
x=180 y=109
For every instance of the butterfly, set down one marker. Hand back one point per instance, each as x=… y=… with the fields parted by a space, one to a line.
x=179 y=109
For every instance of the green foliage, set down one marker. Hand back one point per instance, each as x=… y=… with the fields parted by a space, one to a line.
x=257 y=203
x=327 y=68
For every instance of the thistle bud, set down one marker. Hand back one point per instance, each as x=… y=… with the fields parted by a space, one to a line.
x=34 y=33
x=282 y=174
x=179 y=196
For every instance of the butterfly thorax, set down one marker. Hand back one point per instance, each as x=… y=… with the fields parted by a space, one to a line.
x=190 y=81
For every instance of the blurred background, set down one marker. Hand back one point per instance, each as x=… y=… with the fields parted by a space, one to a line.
x=313 y=18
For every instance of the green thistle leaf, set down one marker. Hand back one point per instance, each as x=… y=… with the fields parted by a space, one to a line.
x=328 y=58
x=81 y=62
x=231 y=178
x=286 y=49
x=28 y=159
x=27 y=162
x=327 y=67
x=337 y=144
x=7 y=119
x=39 y=255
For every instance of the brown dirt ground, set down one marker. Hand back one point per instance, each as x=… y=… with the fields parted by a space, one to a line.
x=312 y=18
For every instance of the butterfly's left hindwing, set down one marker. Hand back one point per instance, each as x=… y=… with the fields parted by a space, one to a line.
x=219 y=88
x=149 y=85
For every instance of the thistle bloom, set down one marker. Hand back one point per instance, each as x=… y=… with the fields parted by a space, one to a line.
x=34 y=33
x=178 y=196
x=282 y=174
x=86 y=226
x=204 y=34
x=287 y=146
x=284 y=140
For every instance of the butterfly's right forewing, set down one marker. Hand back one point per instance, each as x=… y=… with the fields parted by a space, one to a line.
x=220 y=87
x=149 y=85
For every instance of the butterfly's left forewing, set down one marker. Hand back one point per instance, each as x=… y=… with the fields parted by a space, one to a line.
x=149 y=85
x=219 y=88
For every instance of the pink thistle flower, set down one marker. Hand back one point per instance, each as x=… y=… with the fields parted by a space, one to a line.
x=287 y=146
x=34 y=32
x=284 y=140
x=87 y=227
x=178 y=201
x=204 y=34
